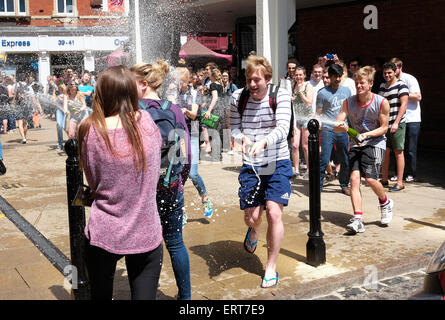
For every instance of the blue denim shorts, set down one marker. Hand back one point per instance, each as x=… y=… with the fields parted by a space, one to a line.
x=274 y=186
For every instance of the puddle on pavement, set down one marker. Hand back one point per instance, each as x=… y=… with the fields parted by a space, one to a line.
x=436 y=221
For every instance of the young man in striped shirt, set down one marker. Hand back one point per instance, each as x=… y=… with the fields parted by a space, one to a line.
x=396 y=92
x=266 y=172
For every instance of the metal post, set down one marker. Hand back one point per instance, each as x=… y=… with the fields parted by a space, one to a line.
x=76 y=215
x=315 y=247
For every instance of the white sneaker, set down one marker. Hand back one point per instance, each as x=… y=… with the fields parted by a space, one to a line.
x=356 y=226
x=386 y=211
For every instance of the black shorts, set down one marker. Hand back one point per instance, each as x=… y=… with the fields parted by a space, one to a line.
x=367 y=159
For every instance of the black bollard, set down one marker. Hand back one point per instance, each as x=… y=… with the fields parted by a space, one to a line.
x=315 y=247
x=76 y=216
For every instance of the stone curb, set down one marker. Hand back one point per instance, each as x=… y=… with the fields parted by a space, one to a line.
x=322 y=287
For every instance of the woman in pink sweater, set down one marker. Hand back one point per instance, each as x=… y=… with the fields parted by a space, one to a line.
x=119 y=148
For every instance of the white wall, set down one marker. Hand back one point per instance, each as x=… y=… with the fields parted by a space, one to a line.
x=274 y=18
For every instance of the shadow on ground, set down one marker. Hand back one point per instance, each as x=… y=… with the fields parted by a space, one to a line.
x=225 y=255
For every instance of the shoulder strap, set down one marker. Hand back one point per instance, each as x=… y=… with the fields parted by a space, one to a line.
x=242 y=102
x=166 y=104
x=273 y=93
x=142 y=105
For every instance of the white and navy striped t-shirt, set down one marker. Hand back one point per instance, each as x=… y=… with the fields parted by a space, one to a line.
x=393 y=94
x=260 y=122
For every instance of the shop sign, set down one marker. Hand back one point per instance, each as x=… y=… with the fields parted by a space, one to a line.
x=19 y=44
x=213 y=42
x=47 y=43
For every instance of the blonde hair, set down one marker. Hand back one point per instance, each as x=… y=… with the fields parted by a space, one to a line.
x=366 y=72
x=216 y=73
x=184 y=73
x=154 y=74
x=255 y=63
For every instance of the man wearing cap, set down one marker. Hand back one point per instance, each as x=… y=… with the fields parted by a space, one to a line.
x=329 y=101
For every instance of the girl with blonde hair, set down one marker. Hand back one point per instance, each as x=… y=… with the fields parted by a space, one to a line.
x=217 y=107
x=170 y=201
x=74 y=102
x=188 y=100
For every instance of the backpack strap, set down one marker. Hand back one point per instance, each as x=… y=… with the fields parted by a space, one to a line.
x=273 y=93
x=166 y=104
x=170 y=166
x=242 y=102
x=245 y=94
x=142 y=105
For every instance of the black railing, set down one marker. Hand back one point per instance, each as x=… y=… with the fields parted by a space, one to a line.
x=76 y=215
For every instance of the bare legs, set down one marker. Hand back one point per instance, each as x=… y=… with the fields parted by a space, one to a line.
x=400 y=165
x=356 y=196
x=302 y=133
x=23 y=128
x=274 y=236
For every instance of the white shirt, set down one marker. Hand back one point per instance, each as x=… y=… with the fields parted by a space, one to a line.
x=316 y=86
x=350 y=83
x=413 y=108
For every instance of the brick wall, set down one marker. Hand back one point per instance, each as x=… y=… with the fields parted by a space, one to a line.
x=41 y=15
x=408 y=29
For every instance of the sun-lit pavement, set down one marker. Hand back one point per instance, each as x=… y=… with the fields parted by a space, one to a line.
x=35 y=185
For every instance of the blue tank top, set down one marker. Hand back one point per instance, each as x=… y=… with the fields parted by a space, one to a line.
x=365 y=119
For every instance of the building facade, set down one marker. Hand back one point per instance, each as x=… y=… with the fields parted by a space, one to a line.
x=378 y=30
x=44 y=37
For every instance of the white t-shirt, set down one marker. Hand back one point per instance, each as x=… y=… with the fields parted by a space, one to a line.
x=350 y=83
x=316 y=86
x=413 y=108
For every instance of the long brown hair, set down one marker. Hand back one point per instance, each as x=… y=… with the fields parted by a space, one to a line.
x=116 y=94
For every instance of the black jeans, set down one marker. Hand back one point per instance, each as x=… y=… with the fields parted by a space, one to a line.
x=143 y=271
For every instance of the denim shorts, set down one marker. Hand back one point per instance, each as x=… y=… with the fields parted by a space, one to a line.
x=254 y=192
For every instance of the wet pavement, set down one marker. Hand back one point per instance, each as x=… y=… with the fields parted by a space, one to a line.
x=35 y=185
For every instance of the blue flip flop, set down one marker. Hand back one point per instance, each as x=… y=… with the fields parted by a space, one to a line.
x=268 y=280
x=252 y=245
